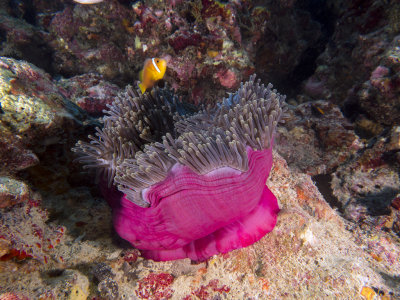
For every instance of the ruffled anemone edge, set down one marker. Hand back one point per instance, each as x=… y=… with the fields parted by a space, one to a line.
x=184 y=221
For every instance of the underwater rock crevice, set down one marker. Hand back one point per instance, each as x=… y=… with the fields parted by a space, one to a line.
x=303 y=38
x=323 y=183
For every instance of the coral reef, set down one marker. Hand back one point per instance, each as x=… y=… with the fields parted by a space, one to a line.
x=366 y=185
x=25 y=233
x=338 y=232
x=379 y=95
x=34 y=116
x=82 y=37
x=358 y=40
x=359 y=69
x=207 y=42
x=90 y=92
x=34 y=112
x=13 y=191
x=22 y=40
x=107 y=287
x=316 y=138
x=114 y=40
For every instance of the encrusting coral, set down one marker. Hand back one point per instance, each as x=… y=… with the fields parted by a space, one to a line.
x=193 y=184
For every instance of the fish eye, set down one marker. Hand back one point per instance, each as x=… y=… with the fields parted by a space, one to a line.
x=158 y=60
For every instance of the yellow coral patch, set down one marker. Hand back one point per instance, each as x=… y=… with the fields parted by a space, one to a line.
x=77 y=293
x=368 y=293
x=212 y=53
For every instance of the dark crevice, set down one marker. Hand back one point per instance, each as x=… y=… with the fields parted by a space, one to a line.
x=129 y=3
x=305 y=68
x=323 y=183
x=392 y=281
x=324 y=16
x=23 y=9
x=39 y=54
x=351 y=110
x=190 y=18
x=3 y=36
x=378 y=204
x=321 y=13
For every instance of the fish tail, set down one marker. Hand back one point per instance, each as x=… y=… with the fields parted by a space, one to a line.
x=142 y=87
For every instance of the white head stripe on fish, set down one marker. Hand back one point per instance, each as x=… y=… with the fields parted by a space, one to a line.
x=155 y=66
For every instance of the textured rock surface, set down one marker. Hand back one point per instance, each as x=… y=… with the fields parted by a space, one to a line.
x=379 y=95
x=22 y=40
x=359 y=68
x=367 y=184
x=316 y=138
x=12 y=191
x=25 y=234
x=114 y=40
x=359 y=38
x=90 y=92
x=34 y=114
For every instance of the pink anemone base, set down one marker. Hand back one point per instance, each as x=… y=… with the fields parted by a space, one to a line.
x=198 y=216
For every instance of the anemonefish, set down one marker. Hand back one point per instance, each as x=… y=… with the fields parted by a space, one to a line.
x=153 y=70
x=88 y=1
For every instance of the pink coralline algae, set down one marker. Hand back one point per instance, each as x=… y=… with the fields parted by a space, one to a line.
x=12 y=296
x=155 y=286
x=181 y=40
x=227 y=78
x=193 y=185
x=90 y=92
x=26 y=233
x=203 y=291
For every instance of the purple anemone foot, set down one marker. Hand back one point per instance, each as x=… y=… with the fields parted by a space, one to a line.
x=197 y=216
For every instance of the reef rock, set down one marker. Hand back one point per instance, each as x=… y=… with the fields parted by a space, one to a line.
x=90 y=92
x=366 y=185
x=34 y=114
x=316 y=138
x=378 y=96
x=22 y=40
x=358 y=39
x=13 y=191
x=309 y=253
x=359 y=69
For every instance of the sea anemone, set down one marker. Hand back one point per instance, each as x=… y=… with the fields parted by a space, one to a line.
x=184 y=182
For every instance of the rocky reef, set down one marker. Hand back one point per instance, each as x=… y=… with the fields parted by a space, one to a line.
x=336 y=161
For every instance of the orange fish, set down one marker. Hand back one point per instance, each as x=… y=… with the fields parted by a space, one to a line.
x=153 y=70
